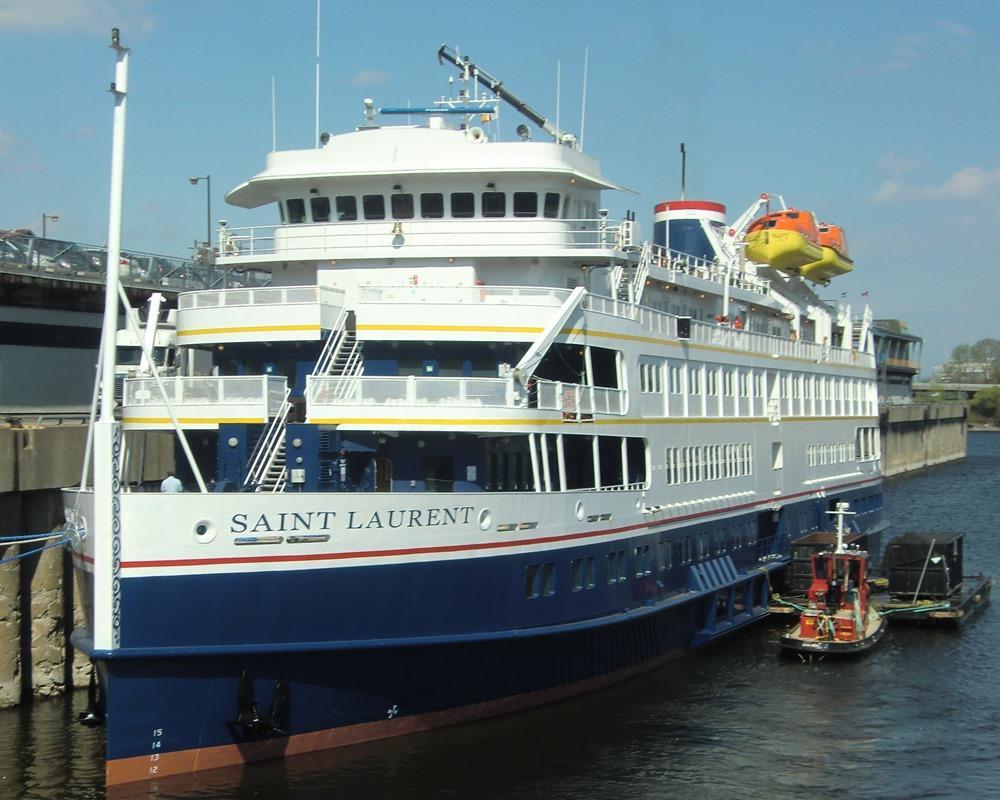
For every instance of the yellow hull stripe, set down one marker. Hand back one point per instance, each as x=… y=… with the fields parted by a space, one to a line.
x=191 y=420
x=248 y=329
x=627 y=337
x=453 y=328
x=416 y=423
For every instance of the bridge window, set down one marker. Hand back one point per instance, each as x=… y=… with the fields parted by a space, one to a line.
x=374 y=206
x=494 y=204
x=320 y=207
x=296 y=211
x=402 y=206
x=463 y=204
x=525 y=204
x=551 y=205
x=432 y=205
x=347 y=208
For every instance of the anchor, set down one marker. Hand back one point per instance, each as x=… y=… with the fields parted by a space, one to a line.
x=93 y=715
x=248 y=716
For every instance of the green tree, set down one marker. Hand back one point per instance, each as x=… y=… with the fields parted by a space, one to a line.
x=974 y=363
x=985 y=404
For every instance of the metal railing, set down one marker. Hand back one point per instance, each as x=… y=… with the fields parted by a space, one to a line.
x=578 y=400
x=686 y=264
x=493 y=295
x=53 y=258
x=271 y=295
x=235 y=390
x=458 y=235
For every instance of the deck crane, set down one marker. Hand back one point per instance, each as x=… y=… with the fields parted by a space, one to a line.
x=471 y=70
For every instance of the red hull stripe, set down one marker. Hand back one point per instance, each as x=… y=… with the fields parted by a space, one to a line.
x=468 y=547
x=143 y=768
x=690 y=205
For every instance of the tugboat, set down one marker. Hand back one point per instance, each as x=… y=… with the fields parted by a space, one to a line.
x=839 y=619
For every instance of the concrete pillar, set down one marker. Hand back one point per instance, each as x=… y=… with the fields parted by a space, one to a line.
x=10 y=608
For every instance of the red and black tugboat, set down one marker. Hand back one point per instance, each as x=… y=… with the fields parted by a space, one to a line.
x=839 y=618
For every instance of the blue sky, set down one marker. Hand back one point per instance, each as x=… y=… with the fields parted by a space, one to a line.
x=880 y=116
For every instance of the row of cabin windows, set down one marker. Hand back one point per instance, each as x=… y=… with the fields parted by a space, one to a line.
x=819 y=455
x=540 y=579
x=708 y=462
x=461 y=205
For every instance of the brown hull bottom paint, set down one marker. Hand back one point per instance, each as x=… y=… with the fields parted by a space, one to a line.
x=140 y=768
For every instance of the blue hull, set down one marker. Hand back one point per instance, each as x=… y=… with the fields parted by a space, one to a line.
x=426 y=649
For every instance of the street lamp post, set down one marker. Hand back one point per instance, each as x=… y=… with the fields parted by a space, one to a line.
x=208 y=222
x=45 y=219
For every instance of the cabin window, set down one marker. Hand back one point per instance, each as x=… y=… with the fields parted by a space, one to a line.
x=432 y=205
x=296 y=211
x=525 y=204
x=402 y=206
x=347 y=208
x=463 y=204
x=551 y=209
x=531 y=581
x=548 y=579
x=320 y=207
x=374 y=206
x=494 y=204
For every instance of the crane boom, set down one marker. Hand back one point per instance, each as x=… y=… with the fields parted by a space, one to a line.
x=471 y=70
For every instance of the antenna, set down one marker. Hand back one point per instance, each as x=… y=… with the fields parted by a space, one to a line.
x=684 y=158
x=316 y=135
x=558 y=88
x=274 y=119
x=583 y=109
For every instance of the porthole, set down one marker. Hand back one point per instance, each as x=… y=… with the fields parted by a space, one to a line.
x=579 y=511
x=485 y=519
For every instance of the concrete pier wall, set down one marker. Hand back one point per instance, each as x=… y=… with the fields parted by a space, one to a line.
x=919 y=435
x=37 y=609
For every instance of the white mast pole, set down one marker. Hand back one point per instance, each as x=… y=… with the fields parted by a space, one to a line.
x=558 y=90
x=106 y=528
x=316 y=136
x=274 y=118
x=583 y=108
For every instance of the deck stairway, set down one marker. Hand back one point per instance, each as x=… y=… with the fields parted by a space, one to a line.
x=267 y=472
x=341 y=356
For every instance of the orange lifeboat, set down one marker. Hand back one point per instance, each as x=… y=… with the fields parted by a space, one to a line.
x=835 y=260
x=786 y=240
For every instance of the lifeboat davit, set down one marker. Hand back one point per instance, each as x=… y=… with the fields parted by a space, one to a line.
x=834 y=261
x=786 y=240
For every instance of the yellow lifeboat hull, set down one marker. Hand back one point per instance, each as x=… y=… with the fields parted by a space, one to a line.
x=830 y=265
x=788 y=251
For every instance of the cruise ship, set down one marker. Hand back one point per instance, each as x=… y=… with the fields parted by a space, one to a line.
x=479 y=446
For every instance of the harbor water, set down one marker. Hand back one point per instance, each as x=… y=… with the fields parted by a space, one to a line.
x=918 y=717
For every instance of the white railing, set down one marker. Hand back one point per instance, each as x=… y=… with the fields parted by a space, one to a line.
x=569 y=398
x=458 y=235
x=578 y=400
x=494 y=295
x=236 y=390
x=411 y=391
x=272 y=295
x=682 y=263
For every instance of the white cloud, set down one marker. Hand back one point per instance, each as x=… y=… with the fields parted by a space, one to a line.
x=968 y=183
x=86 y=132
x=370 y=77
x=907 y=52
x=73 y=16
x=954 y=28
x=6 y=142
x=898 y=165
